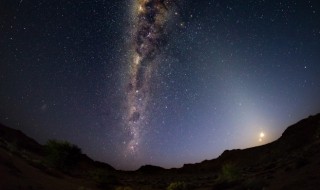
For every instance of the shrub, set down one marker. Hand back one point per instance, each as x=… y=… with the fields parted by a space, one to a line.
x=229 y=173
x=61 y=154
x=103 y=179
x=177 y=186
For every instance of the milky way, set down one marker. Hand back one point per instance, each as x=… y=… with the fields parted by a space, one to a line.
x=158 y=82
x=148 y=37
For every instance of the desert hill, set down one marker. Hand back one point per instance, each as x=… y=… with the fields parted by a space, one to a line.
x=295 y=138
x=291 y=162
x=19 y=139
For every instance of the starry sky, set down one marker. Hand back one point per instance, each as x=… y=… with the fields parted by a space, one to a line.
x=135 y=82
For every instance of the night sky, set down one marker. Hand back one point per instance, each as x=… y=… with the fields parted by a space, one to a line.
x=158 y=82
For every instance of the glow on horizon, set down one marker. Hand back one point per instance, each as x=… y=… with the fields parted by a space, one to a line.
x=261 y=136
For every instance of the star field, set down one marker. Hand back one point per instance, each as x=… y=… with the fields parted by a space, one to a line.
x=178 y=81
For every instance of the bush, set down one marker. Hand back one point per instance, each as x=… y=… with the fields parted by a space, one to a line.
x=177 y=186
x=229 y=173
x=61 y=154
x=103 y=179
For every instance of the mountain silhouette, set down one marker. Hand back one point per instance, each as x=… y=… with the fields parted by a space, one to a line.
x=290 y=162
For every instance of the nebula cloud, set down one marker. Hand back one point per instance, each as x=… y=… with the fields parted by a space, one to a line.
x=148 y=38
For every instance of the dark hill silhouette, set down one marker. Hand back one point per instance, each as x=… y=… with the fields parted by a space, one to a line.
x=23 y=142
x=149 y=169
x=19 y=139
x=290 y=162
x=296 y=137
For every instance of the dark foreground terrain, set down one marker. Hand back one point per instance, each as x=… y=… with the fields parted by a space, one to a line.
x=291 y=162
